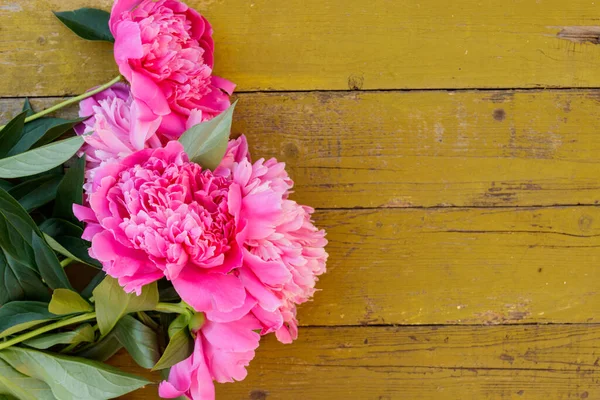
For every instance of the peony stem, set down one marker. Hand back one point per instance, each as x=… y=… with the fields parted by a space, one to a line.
x=47 y=328
x=171 y=308
x=70 y=101
x=66 y=262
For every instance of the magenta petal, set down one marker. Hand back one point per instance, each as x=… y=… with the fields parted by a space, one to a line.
x=166 y=390
x=128 y=45
x=172 y=126
x=146 y=90
x=234 y=315
x=223 y=84
x=233 y=336
x=271 y=320
x=271 y=273
x=266 y=298
x=119 y=7
x=229 y=367
x=207 y=291
x=202 y=387
x=84 y=214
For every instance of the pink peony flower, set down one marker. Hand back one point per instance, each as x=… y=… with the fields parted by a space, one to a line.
x=222 y=352
x=156 y=214
x=231 y=242
x=283 y=259
x=165 y=50
x=108 y=133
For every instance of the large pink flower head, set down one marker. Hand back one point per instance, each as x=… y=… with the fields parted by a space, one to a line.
x=156 y=214
x=165 y=50
x=231 y=241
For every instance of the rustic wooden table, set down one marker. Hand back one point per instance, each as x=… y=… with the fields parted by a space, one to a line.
x=452 y=149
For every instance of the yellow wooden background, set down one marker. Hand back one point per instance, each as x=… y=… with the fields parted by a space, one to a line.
x=452 y=150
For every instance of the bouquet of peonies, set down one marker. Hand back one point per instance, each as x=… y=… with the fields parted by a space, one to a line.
x=199 y=250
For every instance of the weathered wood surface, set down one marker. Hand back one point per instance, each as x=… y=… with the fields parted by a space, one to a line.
x=333 y=44
x=452 y=362
x=425 y=149
x=456 y=208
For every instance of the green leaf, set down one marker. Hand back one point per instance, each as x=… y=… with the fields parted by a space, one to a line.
x=59 y=227
x=17 y=259
x=206 y=143
x=72 y=378
x=66 y=301
x=27 y=107
x=6 y=185
x=23 y=387
x=96 y=280
x=140 y=341
x=80 y=243
x=19 y=281
x=83 y=334
x=70 y=192
x=10 y=134
x=181 y=345
x=103 y=350
x=16 y=228
x=181 y=322
x=112 y=303
x=42 y=131
x=36 y=192
x=18 y=316
x=87 y=23
x=41 y=159
x=50 y=269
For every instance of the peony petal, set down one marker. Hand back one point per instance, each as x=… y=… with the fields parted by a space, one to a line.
x=234 y=315
x=207 y=291
x=84 y=214
x=144 y=124
x=233 y=336
x=120 y=7
x=223 y=84
x=271 y=273
x=147 y=91
x=265 y=297
x=202 y=387
x=128 y=44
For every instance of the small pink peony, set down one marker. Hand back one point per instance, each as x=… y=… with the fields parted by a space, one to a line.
x=283 y=258
x=222 y=352
x=165 y=50
x=108 y=133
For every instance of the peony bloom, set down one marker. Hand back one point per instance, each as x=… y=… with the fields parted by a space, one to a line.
x=156 y=214
x=108 y=133
x=165 y=50
x=230 y=241
x=222 y=351
x=283 y=259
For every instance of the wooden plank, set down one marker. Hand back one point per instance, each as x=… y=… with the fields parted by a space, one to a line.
x=332 y=44
x=466 y=266
x=425 y=149
x=452 y=362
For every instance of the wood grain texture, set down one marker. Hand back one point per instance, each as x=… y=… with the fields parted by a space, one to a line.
x=468 y=266
x=452 y=362
x=332 y=44
x=424 y=149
